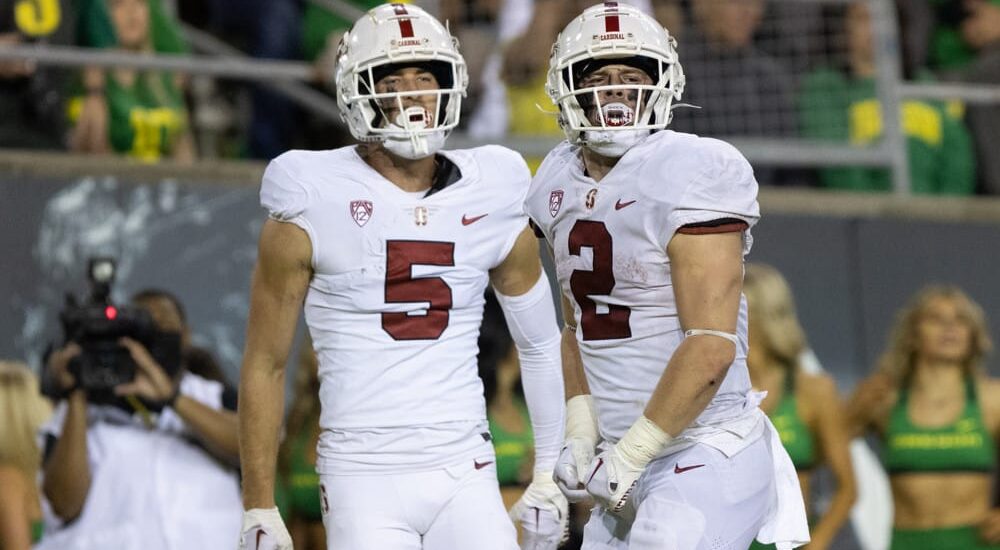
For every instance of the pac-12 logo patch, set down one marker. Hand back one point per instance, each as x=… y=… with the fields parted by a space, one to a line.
x=555 y=202
x=361 y=211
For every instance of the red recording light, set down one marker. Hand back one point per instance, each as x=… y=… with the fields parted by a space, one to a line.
x=110 y=312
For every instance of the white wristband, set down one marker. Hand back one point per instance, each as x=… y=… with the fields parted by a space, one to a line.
x=643 y=442
x=707 y=332
x=581 y=419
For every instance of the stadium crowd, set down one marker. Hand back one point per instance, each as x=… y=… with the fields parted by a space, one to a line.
x=781 y=69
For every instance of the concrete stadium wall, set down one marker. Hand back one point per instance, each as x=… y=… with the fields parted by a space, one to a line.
x=852 y=260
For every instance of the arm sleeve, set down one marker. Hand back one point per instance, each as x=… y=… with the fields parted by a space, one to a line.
x=531 y=318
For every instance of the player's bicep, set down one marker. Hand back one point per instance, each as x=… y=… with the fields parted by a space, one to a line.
x=522 y=267
x=280 y=280
x=707 y=275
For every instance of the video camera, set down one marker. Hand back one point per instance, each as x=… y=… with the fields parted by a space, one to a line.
x=98 y=324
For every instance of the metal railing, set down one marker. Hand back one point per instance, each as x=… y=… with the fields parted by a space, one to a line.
x=290 y=78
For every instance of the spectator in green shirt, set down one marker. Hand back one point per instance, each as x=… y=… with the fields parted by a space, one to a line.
x=842 y=106
x=965 y=46
x=138 y=113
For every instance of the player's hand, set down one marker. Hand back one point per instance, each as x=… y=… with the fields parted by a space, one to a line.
x=151 y=381
x=543 y=513
x=264 y=530
x=612 y=478
x=572 y=466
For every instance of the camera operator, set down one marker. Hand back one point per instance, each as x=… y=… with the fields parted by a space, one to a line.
x=150 y=468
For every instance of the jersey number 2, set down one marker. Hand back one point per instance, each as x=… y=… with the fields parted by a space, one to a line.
x=402 y=288
x=598 y=282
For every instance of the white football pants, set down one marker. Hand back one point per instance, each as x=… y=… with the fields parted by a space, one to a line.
x=453 y=508
x=696 y=499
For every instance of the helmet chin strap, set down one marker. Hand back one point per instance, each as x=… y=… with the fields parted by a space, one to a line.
x=410 y=144
x=613 y=143
x=416 y=146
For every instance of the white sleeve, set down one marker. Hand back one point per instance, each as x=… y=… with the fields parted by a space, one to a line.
x=282 y=195
x=723 y=186
x=531 y=319
x=286 y=199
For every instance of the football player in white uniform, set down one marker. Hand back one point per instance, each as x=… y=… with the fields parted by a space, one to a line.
x=649 y=228
x=391 y=245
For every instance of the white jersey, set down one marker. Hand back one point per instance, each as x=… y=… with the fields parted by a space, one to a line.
x=396 y=299
x=609 y=241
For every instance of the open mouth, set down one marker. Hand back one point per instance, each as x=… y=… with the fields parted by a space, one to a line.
x=414 y=118
x=617 y=115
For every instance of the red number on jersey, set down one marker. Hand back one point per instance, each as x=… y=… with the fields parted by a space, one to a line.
x=599 y=282
x=401 y=287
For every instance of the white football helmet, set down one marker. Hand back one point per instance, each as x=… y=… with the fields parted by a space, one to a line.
x=613 y=33
x=387 y=38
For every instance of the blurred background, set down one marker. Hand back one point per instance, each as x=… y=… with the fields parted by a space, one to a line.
x=139 y=129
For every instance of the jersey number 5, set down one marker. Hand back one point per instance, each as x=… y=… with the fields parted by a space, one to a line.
x=598 y=282
x=402 y=288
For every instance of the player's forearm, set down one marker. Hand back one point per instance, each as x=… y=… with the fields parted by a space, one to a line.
x=218 y=429
x=67 y=470
x=574 y=379
x=691 y=380
x=261 y=406
x=531 y=320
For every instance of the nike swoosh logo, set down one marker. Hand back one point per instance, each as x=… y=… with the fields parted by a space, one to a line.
x=481 y=465
x=600 y=462
x=619 y=204
x=467 y=220
x=679 y=470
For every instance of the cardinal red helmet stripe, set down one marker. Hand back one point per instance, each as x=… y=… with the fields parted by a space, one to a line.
x=405 y=26
x=611 y=17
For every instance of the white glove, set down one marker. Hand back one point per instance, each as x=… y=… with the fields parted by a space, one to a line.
x=264 y=530
x=578 y=450
x=572 y=466
x=615 y=472
x=543 y=514
x=611 y=479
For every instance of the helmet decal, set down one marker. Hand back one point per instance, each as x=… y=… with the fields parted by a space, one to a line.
x=611 y=23
x=405 y=26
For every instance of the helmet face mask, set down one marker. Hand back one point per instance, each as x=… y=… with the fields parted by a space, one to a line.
x=387 y=39
x=613 y=34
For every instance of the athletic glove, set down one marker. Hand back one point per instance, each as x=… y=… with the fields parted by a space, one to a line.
x=615 y=472
x=578 y=449
x=264 y=530
x=543 y=514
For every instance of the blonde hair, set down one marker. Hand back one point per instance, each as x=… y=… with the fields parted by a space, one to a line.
x=772 y=311
x=900 y=358
x=22 y=411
